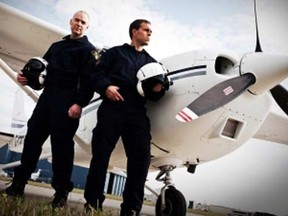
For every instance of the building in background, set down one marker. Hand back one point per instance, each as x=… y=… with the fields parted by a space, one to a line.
x=115 y=181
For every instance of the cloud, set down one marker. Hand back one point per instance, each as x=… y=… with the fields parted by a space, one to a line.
x=110 y=21
x=233 y=29
x=231 y=26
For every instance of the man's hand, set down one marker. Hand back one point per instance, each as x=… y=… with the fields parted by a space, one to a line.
x=113 y=94
x=21 y=78
x=158 y=87
x=75 y=111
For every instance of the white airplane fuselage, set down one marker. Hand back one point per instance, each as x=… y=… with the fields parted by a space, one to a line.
x=204 y=139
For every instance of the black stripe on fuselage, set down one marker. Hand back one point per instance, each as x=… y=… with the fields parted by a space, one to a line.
x=187 y=72
x=175 y=75
x=6 y=134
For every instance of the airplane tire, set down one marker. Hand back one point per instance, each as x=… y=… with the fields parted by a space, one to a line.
x=175 y=203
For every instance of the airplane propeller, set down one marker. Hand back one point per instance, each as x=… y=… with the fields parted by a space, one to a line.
x=228 y=90
x=279 y=93
x=217 y=96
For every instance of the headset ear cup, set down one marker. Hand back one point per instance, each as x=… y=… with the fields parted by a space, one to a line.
x=42 y=77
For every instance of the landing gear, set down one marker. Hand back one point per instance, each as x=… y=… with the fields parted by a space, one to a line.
x=171 y=201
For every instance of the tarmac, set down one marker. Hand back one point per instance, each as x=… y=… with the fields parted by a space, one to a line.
x=77 y=200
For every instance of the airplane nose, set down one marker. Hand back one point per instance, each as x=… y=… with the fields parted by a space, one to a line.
x=269 y=70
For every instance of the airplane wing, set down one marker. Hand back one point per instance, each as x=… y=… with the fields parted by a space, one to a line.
x=24 y=36
x=274 y=128
x=5 y=138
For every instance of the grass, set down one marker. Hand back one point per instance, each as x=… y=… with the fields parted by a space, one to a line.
x=40 y=207
x=37 y=206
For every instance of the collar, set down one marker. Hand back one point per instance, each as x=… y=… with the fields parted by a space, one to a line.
x=83 y=39
x=133 y=48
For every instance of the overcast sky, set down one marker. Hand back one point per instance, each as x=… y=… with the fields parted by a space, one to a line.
x=253 y=177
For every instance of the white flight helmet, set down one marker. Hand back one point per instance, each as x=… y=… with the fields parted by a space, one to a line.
x=35 y=72
x=148 y=76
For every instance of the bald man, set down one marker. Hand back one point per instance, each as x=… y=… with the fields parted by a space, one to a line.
x=58 y=110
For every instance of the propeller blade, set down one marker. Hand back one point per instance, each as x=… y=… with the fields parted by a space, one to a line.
x=216 y=97
x=280 y=94
x=258 y=46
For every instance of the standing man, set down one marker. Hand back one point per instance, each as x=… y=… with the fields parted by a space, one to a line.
x=122 y=113
x=58 y=110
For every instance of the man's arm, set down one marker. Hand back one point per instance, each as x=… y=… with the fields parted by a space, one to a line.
x=99 y=78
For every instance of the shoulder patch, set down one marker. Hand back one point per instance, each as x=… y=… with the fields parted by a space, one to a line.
x=97 y=54
x=94 y=54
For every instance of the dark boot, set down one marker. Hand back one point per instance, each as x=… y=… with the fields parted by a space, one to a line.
x=92 y=209
x=16 y=188
x=61 y=194
x=60 y=199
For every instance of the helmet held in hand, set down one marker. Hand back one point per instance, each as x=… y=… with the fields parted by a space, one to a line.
x=35 y=71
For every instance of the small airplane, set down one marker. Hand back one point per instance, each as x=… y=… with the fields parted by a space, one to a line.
x=217 y=102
